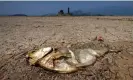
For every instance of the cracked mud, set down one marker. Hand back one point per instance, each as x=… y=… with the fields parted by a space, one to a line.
x=18 y=35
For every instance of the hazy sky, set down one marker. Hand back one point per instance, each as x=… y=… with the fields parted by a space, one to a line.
x=46 y=7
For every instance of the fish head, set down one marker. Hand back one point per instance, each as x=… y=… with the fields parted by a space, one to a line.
x=35 y=55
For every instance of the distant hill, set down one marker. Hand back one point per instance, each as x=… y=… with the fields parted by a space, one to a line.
x=82 y=13
x=18 y=15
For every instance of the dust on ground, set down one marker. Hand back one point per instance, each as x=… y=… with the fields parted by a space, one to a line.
x=18 y=35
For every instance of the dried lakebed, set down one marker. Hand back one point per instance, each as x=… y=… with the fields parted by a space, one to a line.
x=18 y=35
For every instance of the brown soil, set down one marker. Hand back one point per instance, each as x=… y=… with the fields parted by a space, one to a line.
x=18 y=35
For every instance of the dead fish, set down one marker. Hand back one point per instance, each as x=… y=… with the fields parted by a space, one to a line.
x=35 y=56
x=64 y=60
x=85 y=57
x=57 y=61
x=62 y=66
x=63 y=63
x=51 y=59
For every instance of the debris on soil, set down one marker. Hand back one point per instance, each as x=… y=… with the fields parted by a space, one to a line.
x=98 y=38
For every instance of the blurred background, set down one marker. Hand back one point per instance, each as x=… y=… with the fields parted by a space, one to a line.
x=76 y=8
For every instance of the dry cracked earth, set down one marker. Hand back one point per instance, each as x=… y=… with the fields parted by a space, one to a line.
x=18 y=35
